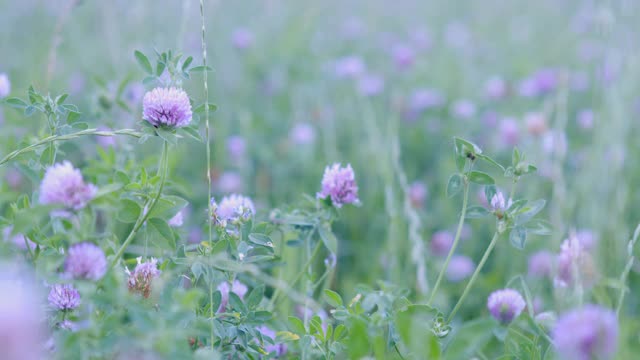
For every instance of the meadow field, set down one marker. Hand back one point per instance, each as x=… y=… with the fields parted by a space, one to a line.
x=364 y=179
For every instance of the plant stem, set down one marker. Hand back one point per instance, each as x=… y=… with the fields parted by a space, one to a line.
x=49 y=139
x=475 y=275
x=162 y=171
x=455 y=242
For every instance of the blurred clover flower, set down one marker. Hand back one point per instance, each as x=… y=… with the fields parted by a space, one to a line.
x=418 y=193
x=167 y=107
x=349 y=67
x=142 y=276
x=279 y=349
x=536 y=123
x=509 y=132
x=585 y=119
x=178 y=219
x=495 y=88
x=574 y=264
x=229 y=182
x=231 y=209
x=370 y=85
x=236 y=287
x=64 y=297
x=242 y=39
x=63 y=184
x=541 y=264
x=460 y=268
x=236 y=146
x=18 y=240
x=339 y=184
x=463 y=109
x=21 y=316
x=302 y=134
x=403 y=56
x=505 y=305
x=5 y=85
x=590 y=332
x=498 y=203
x=441 y=242
x=85 y=261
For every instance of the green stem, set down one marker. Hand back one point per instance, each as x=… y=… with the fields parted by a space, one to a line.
x=12 y=155
x=162 y=171
x=455 y=242
x=475 y=275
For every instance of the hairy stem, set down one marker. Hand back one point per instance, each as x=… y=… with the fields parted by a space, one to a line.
x=465 y=292
x=12 y=155
x=627 y=269
x=144 y=215
x=455 y=242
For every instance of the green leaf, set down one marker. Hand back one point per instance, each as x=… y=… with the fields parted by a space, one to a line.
x=476 y=212
x=200 y=68
x=164 y=230
x=202 y=107
x=328 y=238
x=192 y=133
x=143 y=61
x=518 y=237
x=515 y=157
x=72 y=116
x=108 y=189
x=16 y=103
x=167 y=135
x=260 y=239
x=539 y=227
x=255 y=296
x=236 y=303
x=463 y=146
x=160 y=68
x=129 y=211
x=454 y=185
x=414 y=325
x=527 y=212
x=490 y=161
x=296 y=325
x=186 y=63
x=471 y=337
x=333 y=298
x=480 y=177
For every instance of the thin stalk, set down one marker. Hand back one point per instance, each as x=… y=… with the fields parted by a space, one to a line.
x=208 y=149
x=49 y=139
x=475 y=275
x=455 y=242
x=627 y=269
x=162 y=171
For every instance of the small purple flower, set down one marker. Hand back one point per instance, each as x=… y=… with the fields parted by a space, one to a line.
x=5 y=85
x=63 y=184
x=588 y=239
x=233 y=208
x=64 y=297
x=585 y=119
x=460 y=267
x=167 y=107
x=134 y=93
x=498 y=203
x=403 y=56
x=370 y=85
x=463 y=109
x=424 y=99
x=339 y=183
x=349 y=67
x=302 y=134
x=536 y=123
x=541 y=264
x=590 y=332
x=505 y=305
x=509 y=131
x=142 y=276
x=14 y=178
x=236 y=146
x=574 y=263
x=441 y=242
x=178 y=219
x=242 y=39
x=229 y=182
x=418 y=193
x=279 y=349
x=555 y=141
x=18 y=240
x=85 y=261
x=237 y=288
x=495 y=88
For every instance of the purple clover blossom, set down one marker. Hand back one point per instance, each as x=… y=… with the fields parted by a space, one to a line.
x=229 y=182
x=18 y=240
x=142 y=276
x=495 y=88
x=236 y=287
x=574 y=264
x=418 y=193
x=236 y=146
x=339 y=184
x=590 y=332
x=370 y=85
x=403 y=56
x=63 y=184
x=279 y=349
x=541 y=264
x=463 y=109
x=85 y=261
x=242 y=39
x=424 y=99
x=178 y=219
x=459 y=268
x=349 y=67
x=498 y=202
x=302 y=134
x=441 y=242
x=509 y=131
x=585 y=119
x=233 y=208
x=536 y=123
x=167 y=107
x=5 y=85
x=505 y=305
x=64 y=297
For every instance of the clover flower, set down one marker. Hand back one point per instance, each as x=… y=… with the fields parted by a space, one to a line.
x=279 y=349
x=142 y=276
x=85 y=261
x=167 y=107
x=505 y=305
x=64 y=297
x=590 y=332
x=460 y=267
x=236 y=287
x=63 y=184
x=5 y=85
x=339 y=184
x=232 y=208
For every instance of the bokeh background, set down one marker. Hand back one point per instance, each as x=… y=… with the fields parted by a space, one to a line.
x=381 y=85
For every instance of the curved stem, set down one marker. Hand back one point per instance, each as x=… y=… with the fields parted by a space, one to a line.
x=144 y=215
x=49 y=139
x=475 y=275
x=455 y=242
